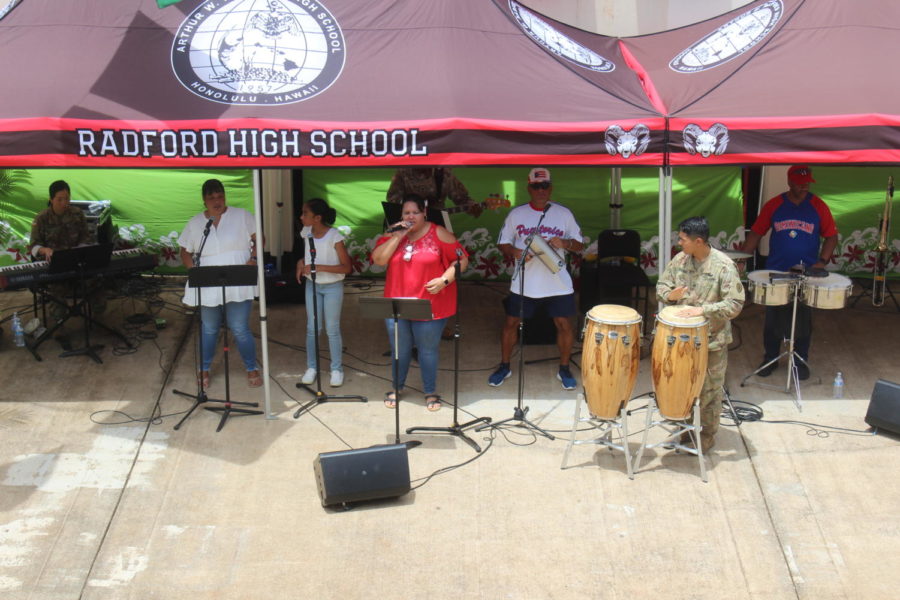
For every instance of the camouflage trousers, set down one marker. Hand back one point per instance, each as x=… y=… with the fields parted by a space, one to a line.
x=712 y=394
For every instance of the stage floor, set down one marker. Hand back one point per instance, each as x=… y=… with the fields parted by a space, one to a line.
x=101 y=498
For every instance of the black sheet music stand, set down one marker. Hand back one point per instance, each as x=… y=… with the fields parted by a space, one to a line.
x=375 y=307
x=393 y=213
x=220 y=276
x=79 y=260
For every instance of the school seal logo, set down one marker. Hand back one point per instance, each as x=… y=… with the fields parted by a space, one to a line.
x=260 y=52
x=556 y=42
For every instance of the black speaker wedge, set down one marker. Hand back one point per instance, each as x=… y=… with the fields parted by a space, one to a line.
x=348 y=476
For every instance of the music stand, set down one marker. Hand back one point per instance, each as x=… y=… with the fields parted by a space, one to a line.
x=79 y=260
x=416 y=309
x=320 y=396
x=220 y=276
x=456 y=429
x=393 y=212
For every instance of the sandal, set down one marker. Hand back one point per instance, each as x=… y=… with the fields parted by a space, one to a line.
x=433 y=402
x=390 y=399
x=254 y=379
x=203 y=377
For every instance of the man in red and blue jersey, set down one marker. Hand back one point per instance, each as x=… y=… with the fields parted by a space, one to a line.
x=798 y=219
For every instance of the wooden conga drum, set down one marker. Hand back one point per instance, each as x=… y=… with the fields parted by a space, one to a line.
x=610 y=356
x=678 y=359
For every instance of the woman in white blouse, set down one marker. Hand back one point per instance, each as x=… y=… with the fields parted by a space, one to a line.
x=231 y=240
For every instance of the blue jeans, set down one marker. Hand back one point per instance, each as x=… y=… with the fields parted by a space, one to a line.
x=237 y=314
x=426 y=335
x=329 y=299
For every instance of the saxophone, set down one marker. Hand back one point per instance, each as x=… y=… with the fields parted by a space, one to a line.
x=882 y=254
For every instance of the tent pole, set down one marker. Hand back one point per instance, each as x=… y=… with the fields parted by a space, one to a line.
x=260 y=273
x=665 y=217
x=615 y=198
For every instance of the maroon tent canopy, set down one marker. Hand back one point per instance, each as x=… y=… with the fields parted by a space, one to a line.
x=779 y=81
x=308 y=83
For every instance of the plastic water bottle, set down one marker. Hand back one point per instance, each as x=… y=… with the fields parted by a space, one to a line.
x=838 y=391
x=18 y=332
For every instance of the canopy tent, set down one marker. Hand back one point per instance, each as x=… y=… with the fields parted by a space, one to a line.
x=340 y=83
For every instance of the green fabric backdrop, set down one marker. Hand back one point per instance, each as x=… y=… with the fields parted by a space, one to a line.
x=151 y=206
x=715 y=192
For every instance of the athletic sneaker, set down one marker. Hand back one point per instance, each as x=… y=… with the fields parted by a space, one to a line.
x=308 y=377
x=565 y=375
x=500 y=375
x=337 y=378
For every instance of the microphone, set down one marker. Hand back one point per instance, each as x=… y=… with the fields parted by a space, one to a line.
x=312 y=243
x=546 y=208
x=208 y=225
x=399 y=227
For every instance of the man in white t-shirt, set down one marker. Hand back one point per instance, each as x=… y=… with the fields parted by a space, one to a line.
x=542 y=287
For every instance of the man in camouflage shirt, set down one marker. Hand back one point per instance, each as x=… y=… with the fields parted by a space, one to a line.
x=60 y=226
x=423 y=182
x=707 y=283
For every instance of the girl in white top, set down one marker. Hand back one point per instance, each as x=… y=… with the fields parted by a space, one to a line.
x=324 y=248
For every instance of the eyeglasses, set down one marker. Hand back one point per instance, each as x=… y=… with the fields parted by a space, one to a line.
x=540 y=185
x=408 y=252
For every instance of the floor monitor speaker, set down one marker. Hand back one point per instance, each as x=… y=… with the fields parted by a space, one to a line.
x=884 y=406
x=370 y=473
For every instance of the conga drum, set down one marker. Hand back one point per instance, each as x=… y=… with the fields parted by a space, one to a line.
x=678 y=359
x=610 y=355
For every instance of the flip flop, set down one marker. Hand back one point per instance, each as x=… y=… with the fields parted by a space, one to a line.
x=390 y=399
x=433 y=402
x=254 y=379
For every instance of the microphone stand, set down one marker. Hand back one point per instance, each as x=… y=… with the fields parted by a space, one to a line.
x=456 y=429
x=519 y=413
x=200 y=397
x=320 y=396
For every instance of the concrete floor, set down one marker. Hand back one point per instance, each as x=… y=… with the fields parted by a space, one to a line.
x=101 y=498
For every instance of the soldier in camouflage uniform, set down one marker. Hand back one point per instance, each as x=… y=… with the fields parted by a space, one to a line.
x=706 y=281
x=423 y=182
x=61 y=227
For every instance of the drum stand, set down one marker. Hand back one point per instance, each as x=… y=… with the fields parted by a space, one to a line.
x=674 y=428
x=606 y=428
x=790 y=353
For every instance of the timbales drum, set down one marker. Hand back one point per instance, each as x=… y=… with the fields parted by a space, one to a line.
x=679 y=358
x=764 y=290
x=610 y=356
x=829 y=292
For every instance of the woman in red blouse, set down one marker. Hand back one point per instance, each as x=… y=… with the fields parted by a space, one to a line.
x=420 y=260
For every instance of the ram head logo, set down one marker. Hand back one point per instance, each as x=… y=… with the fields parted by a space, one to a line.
x=705 y=143
x=626 y=143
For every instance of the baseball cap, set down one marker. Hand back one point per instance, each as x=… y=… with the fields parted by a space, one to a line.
x=539 y=174
x=800 y=174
